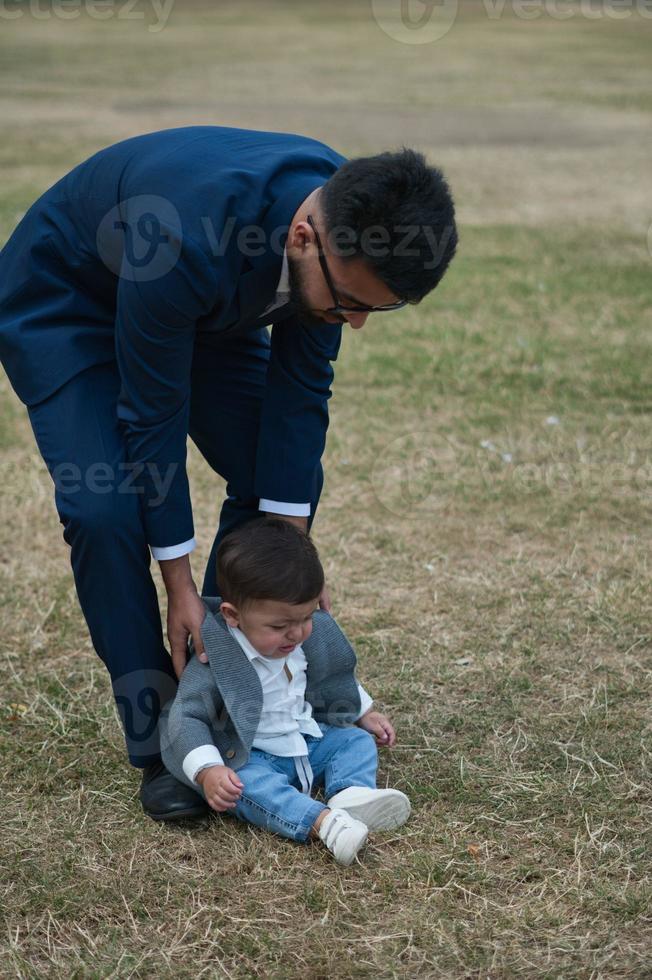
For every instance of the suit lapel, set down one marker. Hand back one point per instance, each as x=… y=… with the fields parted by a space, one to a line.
x=233 y=674
x=256 y=289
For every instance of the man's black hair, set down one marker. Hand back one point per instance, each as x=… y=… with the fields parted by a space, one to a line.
x=397 y=213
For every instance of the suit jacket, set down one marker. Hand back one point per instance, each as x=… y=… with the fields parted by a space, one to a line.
x=221 y=702
x=140 y=248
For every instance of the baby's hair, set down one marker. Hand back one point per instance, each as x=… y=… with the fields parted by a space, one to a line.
x=268 y=558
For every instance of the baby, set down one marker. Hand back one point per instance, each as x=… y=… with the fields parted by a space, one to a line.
x=276 y=710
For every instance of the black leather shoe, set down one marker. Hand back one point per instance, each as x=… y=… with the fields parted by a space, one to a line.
x=164 y=798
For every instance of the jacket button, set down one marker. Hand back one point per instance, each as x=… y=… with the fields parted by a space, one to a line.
x=230 y=753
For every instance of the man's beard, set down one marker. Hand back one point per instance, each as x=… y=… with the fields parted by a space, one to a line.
x=297 y=297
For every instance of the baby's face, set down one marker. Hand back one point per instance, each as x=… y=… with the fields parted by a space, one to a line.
x=273 y=628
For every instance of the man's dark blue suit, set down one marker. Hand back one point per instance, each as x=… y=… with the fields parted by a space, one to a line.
x=132 y=298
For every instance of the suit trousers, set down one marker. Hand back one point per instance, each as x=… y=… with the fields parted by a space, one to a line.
x=81 y=440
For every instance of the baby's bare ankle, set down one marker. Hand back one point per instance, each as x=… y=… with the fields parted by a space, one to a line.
x=314 y=830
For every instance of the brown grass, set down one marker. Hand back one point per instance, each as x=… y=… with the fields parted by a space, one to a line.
x=492 y=568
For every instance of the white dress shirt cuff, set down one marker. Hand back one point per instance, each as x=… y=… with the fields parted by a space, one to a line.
x=285 y=509
x=173 y=550
x=200 y=758
x=365 y=701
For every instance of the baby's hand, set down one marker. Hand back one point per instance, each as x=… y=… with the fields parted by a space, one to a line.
x=221 y=786
x=379 y=726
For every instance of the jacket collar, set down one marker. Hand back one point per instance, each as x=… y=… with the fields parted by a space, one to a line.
x=233 y=674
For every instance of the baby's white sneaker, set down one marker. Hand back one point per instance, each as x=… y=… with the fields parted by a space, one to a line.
x=379 y=809
x=343 y=835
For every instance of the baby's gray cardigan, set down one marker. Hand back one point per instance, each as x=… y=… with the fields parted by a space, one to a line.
x=220 y=702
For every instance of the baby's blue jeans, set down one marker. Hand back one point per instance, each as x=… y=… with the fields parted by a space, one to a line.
x=272 y=797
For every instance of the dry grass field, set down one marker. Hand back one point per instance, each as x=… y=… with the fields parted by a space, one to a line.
x=485 y=523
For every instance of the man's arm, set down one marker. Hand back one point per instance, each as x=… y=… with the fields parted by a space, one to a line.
x=294 y=421
x=154 y=342
x=294 y=416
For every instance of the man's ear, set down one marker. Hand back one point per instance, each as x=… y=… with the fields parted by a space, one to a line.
x=230 y=613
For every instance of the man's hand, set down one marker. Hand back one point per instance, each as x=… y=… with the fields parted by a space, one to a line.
x=379 y=726
x=186 y=613
x=325 y=599
x=221 y=786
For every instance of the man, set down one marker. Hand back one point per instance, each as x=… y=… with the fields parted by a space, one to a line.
x=135 y=300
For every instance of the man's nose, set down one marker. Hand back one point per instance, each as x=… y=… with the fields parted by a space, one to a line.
x=357 y=320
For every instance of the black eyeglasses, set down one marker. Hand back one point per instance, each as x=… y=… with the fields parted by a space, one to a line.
x=339 y=308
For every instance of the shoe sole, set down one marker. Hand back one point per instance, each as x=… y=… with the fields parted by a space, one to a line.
x=386 y=812
x=189 y=812
x=348 y=859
